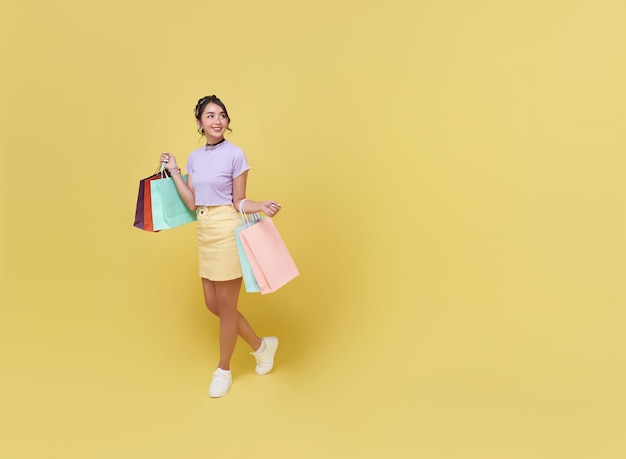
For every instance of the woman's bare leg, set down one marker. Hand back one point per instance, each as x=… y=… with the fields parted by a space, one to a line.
x=221 y=299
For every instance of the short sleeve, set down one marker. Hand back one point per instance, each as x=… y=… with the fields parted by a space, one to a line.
x=189 y=166
x=240 y=163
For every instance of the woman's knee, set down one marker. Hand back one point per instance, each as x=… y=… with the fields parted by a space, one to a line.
x=212 y=306
x=221 y=297
x=210 y=299
x=221 y=308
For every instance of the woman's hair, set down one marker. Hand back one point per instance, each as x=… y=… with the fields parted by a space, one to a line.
x=202 y=103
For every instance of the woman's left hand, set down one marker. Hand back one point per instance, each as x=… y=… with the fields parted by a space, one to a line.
x=169 y=160
x=270 y=208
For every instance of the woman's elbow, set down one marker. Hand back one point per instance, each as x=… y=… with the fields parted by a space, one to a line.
x=237 y=202
x=191 y=205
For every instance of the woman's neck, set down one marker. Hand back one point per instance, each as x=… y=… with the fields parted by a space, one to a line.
x=211 y=145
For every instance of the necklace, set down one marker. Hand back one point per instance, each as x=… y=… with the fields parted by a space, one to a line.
x=213 y=145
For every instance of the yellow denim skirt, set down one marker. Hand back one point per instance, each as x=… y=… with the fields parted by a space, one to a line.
x=217 y=248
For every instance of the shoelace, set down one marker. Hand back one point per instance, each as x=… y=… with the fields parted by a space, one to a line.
x=219 y=376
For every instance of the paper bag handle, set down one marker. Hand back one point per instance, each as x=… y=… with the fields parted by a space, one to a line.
x=244 y=217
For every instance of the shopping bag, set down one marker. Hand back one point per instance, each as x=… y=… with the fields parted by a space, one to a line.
x=139 y=221
x=143 y=209
x=147 y=204
x=168 y=208
x=269 y=258
x=249 y=281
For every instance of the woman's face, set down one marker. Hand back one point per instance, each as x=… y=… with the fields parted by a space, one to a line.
x=214 y=121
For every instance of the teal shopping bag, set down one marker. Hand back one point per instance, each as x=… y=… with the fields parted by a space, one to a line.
x=249 y=281
x=168 y=208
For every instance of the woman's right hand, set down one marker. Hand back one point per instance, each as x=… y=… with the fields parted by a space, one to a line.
x=270 y=208
x=169 y=160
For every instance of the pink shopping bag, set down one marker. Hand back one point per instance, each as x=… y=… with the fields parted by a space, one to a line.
x=268 y=256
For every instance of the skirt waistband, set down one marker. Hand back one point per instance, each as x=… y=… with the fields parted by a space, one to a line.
x=210 y=210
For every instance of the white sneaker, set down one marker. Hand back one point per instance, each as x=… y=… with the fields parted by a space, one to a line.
x=265 y=360
x=220 y=383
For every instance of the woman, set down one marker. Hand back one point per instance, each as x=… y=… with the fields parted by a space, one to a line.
x=215 y=187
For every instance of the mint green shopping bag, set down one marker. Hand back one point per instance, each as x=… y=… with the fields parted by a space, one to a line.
x=168 y=208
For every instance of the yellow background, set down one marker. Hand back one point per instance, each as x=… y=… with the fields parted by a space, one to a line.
x=452 y=178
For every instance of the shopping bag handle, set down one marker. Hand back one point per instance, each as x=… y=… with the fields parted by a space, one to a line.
x=244 y=217
x=162 y=170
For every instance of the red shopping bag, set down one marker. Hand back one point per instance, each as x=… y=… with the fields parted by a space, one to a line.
x=268 y=256
x=143 y=209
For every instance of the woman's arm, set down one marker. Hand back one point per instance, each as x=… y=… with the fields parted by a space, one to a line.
x=269 y=208
x=185 y=190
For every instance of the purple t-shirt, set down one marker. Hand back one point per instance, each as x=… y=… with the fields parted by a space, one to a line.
x=213 y=171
